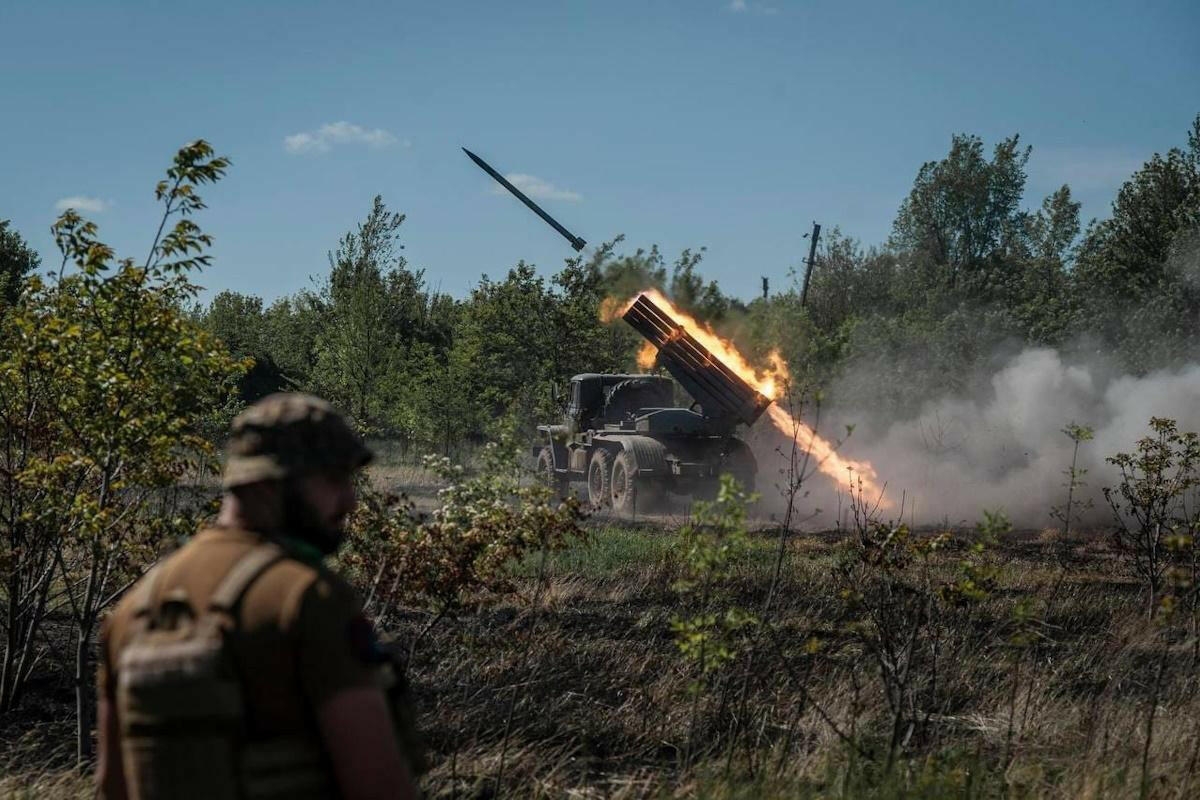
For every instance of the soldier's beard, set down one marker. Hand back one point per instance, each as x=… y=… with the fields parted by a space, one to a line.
x=303 y=522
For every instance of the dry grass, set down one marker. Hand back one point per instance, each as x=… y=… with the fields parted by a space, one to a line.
x=601 y=704
x=35 y=761
x=583 y=694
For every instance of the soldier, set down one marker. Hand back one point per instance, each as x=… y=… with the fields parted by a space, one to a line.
x=240 y=666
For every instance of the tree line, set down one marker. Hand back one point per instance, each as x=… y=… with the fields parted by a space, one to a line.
x=967 y=271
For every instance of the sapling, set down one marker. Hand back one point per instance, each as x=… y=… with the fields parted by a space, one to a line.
x=896 y=609
x=1074 y=507
x=484 y=524
x=1150 y=504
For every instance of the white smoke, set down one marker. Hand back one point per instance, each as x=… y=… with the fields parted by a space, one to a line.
x=1005 y=448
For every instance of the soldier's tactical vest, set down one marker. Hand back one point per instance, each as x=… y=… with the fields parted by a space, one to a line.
x=180 y=704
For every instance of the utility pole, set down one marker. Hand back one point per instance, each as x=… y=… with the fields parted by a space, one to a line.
x=766 y=289
x=812 y=255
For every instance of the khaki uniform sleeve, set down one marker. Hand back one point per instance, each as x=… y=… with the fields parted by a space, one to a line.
x=329 y=627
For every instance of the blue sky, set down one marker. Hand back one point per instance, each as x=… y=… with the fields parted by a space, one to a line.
x=726 y=124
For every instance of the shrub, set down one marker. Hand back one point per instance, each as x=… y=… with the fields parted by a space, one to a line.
x=1150 y=504
x=104 y=386
x=897 y=608
x=485 y=524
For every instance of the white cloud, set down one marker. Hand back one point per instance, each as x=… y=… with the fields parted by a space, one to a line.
x=739 y=6
x=81 y=203
x=324 y=138
x=537 y=188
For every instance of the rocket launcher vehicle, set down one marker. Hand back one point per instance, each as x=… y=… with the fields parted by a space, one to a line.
x=725 y=397
x=726 y=400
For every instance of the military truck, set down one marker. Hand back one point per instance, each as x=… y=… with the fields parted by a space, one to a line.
x=625 y=436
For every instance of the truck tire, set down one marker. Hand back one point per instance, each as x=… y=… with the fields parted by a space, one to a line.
x=624 y=484
x=600 y=478
x=547 y=476
x=631 y=493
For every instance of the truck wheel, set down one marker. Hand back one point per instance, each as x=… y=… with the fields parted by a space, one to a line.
x=599 y=479
x=547 y=476
x=624 y=484
x=630 y=492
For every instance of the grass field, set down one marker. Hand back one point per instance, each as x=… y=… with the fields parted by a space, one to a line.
x=596 y=701
x=572 y=685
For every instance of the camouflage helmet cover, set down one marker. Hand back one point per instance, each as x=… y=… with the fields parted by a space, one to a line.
x=290 y=433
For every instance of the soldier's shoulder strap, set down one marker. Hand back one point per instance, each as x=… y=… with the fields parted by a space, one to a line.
x=146 y=591
x=244 y=572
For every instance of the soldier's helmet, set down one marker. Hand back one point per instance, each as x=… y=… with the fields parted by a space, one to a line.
x=288 y=434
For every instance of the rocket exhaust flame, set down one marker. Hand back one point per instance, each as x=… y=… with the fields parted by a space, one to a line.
x=647 y=355
x=847 y=473
x=850 y=475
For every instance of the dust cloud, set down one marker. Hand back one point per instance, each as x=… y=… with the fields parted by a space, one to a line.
x=1002 y=448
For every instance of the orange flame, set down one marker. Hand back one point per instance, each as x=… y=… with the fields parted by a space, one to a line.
x=647 y=355
x=847 y=473
x=612 y=308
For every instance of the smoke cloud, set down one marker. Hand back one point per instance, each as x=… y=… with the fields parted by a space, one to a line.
x=1004 y=447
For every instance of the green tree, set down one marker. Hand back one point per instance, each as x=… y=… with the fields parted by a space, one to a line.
x=1125 y=254
x=445 y=412
x=1136 y=274
x=626 y=275
x=1041 y=301
x=691 y=292
x=370 y=302
x=17 y=262
x=291 y=326
x=441 y=413
x=238 y=321
x=966 y=270
x=104 y=384
x=1151 y=503
x=506 y=335
x=512 y=339
x=587 y=342
x=847 y=285
x=959 y=215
